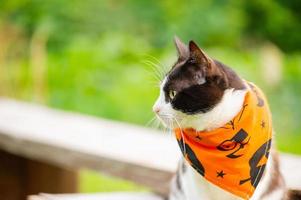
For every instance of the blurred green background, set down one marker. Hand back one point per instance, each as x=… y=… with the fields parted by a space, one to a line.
x=97 y=56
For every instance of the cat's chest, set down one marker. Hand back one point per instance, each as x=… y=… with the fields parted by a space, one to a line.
x=199 y=188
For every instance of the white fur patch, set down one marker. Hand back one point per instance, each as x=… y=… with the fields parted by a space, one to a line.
x=164 y=110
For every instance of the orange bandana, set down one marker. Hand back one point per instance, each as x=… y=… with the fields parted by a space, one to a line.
x=234 y=156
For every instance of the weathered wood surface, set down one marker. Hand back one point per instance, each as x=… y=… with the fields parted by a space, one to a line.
x=103 y=196
x=20 y=177
x=76 y=141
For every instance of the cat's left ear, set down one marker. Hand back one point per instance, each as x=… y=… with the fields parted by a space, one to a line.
x=183 y=52
x=199 y=55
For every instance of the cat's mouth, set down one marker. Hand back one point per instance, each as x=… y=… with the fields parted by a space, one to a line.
x=169 y=121
x=164 y=120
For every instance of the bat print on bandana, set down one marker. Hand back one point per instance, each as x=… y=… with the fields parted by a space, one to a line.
x=256 y=167
x=191 y=157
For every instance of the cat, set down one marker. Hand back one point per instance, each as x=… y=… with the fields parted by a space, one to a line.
x=203 y=94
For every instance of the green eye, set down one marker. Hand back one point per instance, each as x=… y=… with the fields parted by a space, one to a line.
x=172 y=94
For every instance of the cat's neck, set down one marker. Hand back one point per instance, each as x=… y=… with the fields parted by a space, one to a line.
x=222 y=113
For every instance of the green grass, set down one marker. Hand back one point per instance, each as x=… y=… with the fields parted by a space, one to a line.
x=289 y=143
x=91 y=181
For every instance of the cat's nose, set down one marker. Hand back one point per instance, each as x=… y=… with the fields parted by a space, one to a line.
x=156 y=109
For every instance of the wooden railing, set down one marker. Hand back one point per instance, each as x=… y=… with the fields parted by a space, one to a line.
x=37 y=142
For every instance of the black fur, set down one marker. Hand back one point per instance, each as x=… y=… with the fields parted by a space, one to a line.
x=199 y=81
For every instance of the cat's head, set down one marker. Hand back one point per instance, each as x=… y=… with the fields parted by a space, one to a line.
x=194 y=86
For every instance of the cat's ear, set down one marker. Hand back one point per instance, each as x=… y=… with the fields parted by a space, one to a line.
x=198 y=54
x=183 y=51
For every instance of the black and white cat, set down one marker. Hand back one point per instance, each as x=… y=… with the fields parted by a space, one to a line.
x=204 y=94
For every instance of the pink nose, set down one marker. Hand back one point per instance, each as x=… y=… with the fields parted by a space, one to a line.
x=156 y=110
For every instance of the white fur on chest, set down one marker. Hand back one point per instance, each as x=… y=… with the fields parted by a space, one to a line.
x=197 y=187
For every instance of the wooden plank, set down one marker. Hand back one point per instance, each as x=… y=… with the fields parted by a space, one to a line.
x=103 y=196
x=74 y=141
x=20 y=177
x=11 y=177
x=47 y=178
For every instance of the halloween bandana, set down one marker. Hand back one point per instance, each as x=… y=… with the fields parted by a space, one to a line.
x=234 y=156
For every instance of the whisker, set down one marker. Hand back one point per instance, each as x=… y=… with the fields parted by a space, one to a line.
x=171 y=125
x=152 y=80
x=172 y=119
x=158 y=123
x=182 y=134
x=151 y=65
x=150 y=122
x=158 y=67
x=155 y=67
x=156 y=60
x=154 y=72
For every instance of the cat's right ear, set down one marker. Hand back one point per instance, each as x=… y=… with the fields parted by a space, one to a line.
x=183 y=51
x=199 y=54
